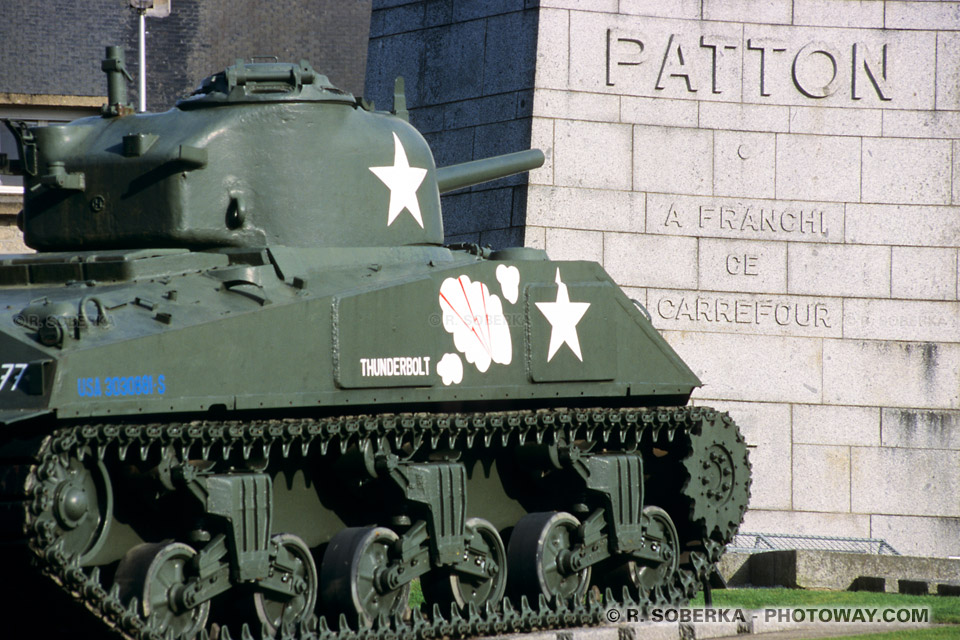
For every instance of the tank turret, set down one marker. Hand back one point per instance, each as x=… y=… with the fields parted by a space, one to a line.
x=262 y=154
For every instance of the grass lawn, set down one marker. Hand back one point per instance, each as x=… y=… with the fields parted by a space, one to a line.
x=943 y=609
x=933 y=633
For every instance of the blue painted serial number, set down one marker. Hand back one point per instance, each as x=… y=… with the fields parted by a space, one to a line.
x=120 y=386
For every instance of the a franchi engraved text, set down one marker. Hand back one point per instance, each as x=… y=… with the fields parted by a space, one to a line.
x=745 y=311
x=769 y=219
x=702 y=65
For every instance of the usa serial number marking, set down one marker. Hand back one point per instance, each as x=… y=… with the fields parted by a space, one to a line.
x=117 y=386
x=11 y=370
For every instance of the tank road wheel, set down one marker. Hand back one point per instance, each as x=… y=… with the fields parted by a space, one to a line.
x=485 y=548
x=537 y=553
x=350 y=574
x=658 y=579
x=653 y=581
x=81 y=507
x=156 y=573
x=296 y=562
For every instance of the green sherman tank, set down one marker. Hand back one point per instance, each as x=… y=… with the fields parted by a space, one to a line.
x=243 y=382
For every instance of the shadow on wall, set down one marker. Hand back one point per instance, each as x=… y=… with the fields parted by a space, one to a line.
x=469 y=73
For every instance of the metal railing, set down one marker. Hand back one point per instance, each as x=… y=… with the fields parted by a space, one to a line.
x=757 y=542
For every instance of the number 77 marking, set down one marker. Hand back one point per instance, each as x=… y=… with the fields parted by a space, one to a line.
x=8 y=369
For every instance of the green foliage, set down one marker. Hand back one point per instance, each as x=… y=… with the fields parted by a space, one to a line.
x=943 y=609
x=932 y=633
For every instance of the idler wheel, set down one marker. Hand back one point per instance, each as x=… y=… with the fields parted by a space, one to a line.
x=538 y=554
x=351 y=575
x=489 y=557
x=76 y=505
x=299 y=568
x=156 y=573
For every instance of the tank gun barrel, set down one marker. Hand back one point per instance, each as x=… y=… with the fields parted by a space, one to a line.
x=467 y=174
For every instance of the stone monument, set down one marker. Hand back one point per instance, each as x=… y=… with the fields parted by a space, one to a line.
x=777 y=181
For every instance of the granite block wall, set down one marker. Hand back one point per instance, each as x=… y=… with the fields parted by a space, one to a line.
x=777 y=182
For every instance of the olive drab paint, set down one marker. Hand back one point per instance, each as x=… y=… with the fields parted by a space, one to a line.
x=242 y=314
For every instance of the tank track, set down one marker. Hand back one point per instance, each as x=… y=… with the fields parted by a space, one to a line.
x=680 y=436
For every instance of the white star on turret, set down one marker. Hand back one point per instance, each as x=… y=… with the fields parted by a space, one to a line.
x=563 y=317
x=403 y=182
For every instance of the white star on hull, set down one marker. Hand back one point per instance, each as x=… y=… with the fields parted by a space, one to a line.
x=563 y=317
x=403 y=182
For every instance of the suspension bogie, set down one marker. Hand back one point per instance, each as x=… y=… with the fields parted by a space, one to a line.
x=338 y=526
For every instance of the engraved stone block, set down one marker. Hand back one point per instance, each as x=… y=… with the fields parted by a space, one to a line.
x=744 y=218
x=688 y=9
x=766 y=428
x=636 y=293
x=744 y=117
x=839 y=67
x=541 y=137
x=755 y=63
x=570 y=244
x=766 y=11
x=838 y=13
x=835 y=121
x=637 y=260
x=667 y=113
x=599 y=209
x=821 y=478
x=922 y=15
x=921 y=124
x=607 y=6
x=535 y=237
x=920 y=272
x=906 y=171
x=891 y=374
x=743 y=163
x=807 y=523
x=752 y=367
x=913 y=482
x=948 y=70
x=777 y=315
x=690 y=169
x=838 y=270
x=655 y=57
x=550 y=103
x=823 y=424
x=735 y=265
x=902 y=225
x=553 y=48
x=955 y=192
x=582 y=148
x=920 y=429
x=818 y=168
x=916 y=320
x=917 y=536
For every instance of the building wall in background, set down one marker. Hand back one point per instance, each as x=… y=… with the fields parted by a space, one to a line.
x=51 y=53
x=55 y=47
x=776 y=181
